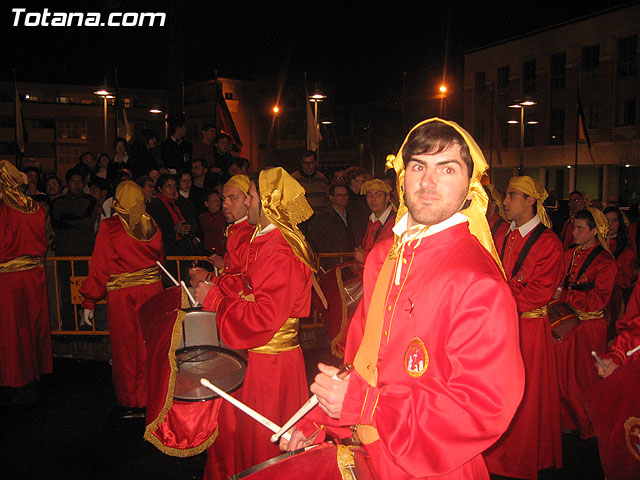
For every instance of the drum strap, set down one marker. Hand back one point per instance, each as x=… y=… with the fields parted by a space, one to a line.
x=496 y=226
x=588 y=261
x=533 y=238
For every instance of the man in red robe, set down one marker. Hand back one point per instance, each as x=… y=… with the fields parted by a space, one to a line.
x=381 y=220
x=590 y=271
x=495 y=213
x=576 y=203
x=532 y=258
x=123 y=267
x=263 y=317
x=25 y=336
x=438 y=372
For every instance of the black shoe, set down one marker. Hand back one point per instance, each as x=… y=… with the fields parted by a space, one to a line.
x=134 y=412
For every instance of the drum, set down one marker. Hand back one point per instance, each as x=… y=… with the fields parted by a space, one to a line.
x=202 y=353
x=563 y=321
x=317 y=461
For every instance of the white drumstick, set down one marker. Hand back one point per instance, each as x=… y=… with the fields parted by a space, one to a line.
x=599 y=360
x=633 y=350
x=307 y=407
x=249 y=411
x=168 y=274
x=191 y=299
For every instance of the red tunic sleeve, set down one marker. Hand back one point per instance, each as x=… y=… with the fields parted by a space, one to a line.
x=94 y=286
x=626 y=265
x=281 y=286
x=628 y=328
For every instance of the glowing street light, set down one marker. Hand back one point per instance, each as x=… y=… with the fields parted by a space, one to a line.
x=443 y=89
x=105 y=94
x=276 y=109
x=522 y=105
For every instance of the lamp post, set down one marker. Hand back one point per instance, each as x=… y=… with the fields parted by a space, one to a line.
x=276 y=111
x=316 y=97
x=104 y=93
x=522 y=105
x=443 y=100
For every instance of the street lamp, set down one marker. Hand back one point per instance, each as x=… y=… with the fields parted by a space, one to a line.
x=316 y=97
x=522 y=105
x=276 y=111
x=443 y=99
x=105 y=94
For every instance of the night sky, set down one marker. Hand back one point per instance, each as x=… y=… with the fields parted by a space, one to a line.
x=358 y=49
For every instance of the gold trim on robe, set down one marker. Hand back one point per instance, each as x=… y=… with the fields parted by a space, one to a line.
x=145 y=276
x=284 y=340
x=21 y=263
x=535 y=313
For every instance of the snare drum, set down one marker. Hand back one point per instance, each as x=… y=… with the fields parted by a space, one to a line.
x=563 y=321
x=317 y=461
x=202 y=353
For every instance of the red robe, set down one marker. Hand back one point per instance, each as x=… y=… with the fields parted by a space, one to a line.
x=566 y=235
x=573 y=356
x=25 y=332
x=383 y=233
x=501 y=229
x=275 y=385
x=235 y=259
x=117 y=252
x=212 y=226
x=628 y=329
x=452 y=299
x=533 y=440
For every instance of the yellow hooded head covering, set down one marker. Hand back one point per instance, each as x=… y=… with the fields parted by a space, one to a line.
x=602 y=226
x=477 y=208
x=130 y=206
x=496 y=196
x=529 y=186
x=10 y=180
x=284 y=204
x=241 y=182
x=374 y=185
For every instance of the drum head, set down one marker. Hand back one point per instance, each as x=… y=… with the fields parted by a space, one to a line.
x=224 y=368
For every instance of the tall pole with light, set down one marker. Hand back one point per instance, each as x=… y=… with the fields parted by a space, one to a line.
x=316 y=97
x=522 y=105
x=276 y=111
x=443 y=100
x=105 y=94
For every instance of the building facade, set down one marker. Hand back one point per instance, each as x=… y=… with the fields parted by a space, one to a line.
x=594 y=59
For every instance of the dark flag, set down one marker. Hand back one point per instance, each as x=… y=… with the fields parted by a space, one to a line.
x=20 y=126
x=224 y=122
x=496 y=130
x=123 y=129
x=583 y=132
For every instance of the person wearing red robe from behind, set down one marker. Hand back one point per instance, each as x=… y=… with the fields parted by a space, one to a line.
x=532 y=257
x=25 y=336
x=434 y=343
x=590 y=272
x=123 y=267
x=495 y=213
x=263 y=317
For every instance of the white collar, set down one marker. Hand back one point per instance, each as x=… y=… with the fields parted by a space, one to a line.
x=266 y=230
x=383 y=217
x=241 y=220
x=527 y=227
x=453 y=220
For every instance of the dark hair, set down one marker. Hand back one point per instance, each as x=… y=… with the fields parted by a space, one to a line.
x=103 y=155
x=309 y=153
x=119 y=140
x=254 y=178
x=351 y=173
x=239 y=162
x=164 y=178
x=144 y=179
x=622 y=238
x=207 y=126
x=71 y=172
x=587 y=217
x=145 y=136
x=220 y=136
x=56 y=179
x=435 y=137
x=26 y=170
x=85 y=153
x=333 y=186
x=41 y=198
x=577 y=192
x=201 y=160
x=175 y=121
x=101 y=183
x=82 y=169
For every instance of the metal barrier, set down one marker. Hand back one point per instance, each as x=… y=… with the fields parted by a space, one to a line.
x=66 y=274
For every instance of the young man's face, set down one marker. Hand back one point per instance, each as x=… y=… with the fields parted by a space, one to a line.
x=198 y=170
x=516 y=206
x=208 y=135
x=97 y=193
x=576 y=202
x=76 y=184
x=582 y=234
x=436 y=186
x=233 y=207
x=308 y=165
x=224 y=146
x=252 y=202
x=53 y=187
x=378 y=201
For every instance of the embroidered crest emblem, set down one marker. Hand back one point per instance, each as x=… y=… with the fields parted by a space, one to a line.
x=416 y=359
x=632 y=436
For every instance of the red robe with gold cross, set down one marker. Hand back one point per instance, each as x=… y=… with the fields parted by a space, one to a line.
x=588 y=294
x=533 y=440
x=117 y=252
x=450 y=374
x=25 y=331
x=276 y=286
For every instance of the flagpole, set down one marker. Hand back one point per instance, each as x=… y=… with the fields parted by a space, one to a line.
x=491 y=133
x=575 y=163
x=19 y=124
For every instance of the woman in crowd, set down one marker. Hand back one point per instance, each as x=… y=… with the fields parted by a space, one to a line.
x=53 y=188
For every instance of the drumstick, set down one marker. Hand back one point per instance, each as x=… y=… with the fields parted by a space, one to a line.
x=175 y=282
x=599 y=360
x=249 y=411
x=307 y=407
x=633 y=350
x=191 y=299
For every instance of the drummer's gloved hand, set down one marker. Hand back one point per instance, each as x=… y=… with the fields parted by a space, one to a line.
x=87 y=317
